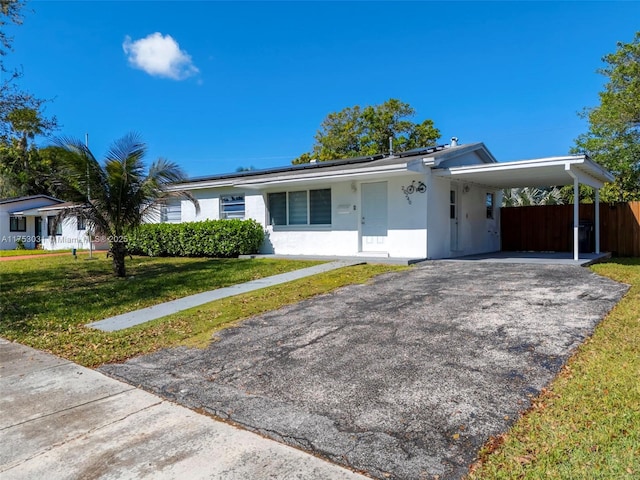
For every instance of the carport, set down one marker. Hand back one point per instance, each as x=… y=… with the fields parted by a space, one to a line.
x=555 y=171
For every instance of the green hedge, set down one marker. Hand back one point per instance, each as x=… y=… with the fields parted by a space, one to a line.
x=210 y=238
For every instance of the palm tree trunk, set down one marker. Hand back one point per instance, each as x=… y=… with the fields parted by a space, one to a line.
x=118 y=252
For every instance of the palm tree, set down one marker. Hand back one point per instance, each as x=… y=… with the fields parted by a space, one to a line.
x=522 y=197
x=117 y=195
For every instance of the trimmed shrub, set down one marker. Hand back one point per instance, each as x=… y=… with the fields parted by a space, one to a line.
x=210 y=238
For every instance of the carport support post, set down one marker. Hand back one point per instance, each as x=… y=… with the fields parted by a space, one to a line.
x=597 y=220
x=576 y=215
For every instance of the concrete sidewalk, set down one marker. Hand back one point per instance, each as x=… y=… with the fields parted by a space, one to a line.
x=130 y=319
x=63 y=421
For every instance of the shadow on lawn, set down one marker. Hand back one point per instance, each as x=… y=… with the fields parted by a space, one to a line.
x=626 y=261
x=60 y=292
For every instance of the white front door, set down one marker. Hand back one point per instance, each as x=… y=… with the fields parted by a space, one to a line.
x=453 y=217
x=374 y=217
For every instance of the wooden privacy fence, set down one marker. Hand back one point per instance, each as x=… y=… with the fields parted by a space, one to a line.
x=549 y=228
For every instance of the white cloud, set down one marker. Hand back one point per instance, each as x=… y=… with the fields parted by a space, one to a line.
x=159 y=56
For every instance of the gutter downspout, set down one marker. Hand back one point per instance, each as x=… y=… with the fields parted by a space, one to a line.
x=576 y=210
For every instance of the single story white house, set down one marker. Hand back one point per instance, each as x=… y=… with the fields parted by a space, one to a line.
x=31 y=221
x=437 y=202
x=430 y=203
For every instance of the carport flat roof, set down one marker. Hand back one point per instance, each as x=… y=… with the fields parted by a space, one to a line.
x=541 y=172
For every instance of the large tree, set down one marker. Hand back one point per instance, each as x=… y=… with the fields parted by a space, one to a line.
x=24 y=168
x=117 y=195
x=356 y=131
x=613 y=139
x=22 y=119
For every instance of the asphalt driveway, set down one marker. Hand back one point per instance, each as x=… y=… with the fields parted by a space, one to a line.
x=402 y=378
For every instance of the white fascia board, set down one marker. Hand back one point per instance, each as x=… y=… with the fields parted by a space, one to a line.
x=598 y=170
x=583 y=176
x=26 y=213
x=257 y=181
x=503 y=166
x=199 y=185
x=322 y=176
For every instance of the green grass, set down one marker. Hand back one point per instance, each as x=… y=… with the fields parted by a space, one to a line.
x=586 y=425
x=45 y=302
x=19 y=253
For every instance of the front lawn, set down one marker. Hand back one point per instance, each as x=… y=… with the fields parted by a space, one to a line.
x=587 y=423
x=21 y=253
x=45 y=302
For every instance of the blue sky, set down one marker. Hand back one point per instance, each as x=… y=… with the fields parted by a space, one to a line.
x=224 y=85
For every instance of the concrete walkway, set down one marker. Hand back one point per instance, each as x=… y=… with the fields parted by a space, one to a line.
x=60 y=420
x=130 y=319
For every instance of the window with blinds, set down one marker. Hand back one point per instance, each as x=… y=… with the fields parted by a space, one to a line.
x=171 y=212
x=232 y=206
x=303 y=207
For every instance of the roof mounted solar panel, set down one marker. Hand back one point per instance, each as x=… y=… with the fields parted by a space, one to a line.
x=291 y=168
x=421 y=151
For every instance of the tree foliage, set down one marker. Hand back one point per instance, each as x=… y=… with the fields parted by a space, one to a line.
x=356 y=131
x=613 y=139
x=114 y=196
x=24 y=170
x=522 y=197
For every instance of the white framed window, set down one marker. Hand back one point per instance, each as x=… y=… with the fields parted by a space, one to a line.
x=232 y=206
x=301 y=207
x=171 y=212
x=82 y=222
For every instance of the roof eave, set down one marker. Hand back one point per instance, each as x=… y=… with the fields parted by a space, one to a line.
x=443 y=155
x=325 y=176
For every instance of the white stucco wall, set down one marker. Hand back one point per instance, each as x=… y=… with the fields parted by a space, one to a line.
x=418 y=224
x=209 y=202
x=70 y=238
x=7 y=237
x=341 y=238
x=438 y=233
x=255 y=206
x=407 y=221
x=406 y=234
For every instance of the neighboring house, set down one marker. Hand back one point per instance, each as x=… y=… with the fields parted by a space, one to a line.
x=32 y=220
x=437 y=202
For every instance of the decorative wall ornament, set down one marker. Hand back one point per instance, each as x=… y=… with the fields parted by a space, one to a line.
x=412 y=188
